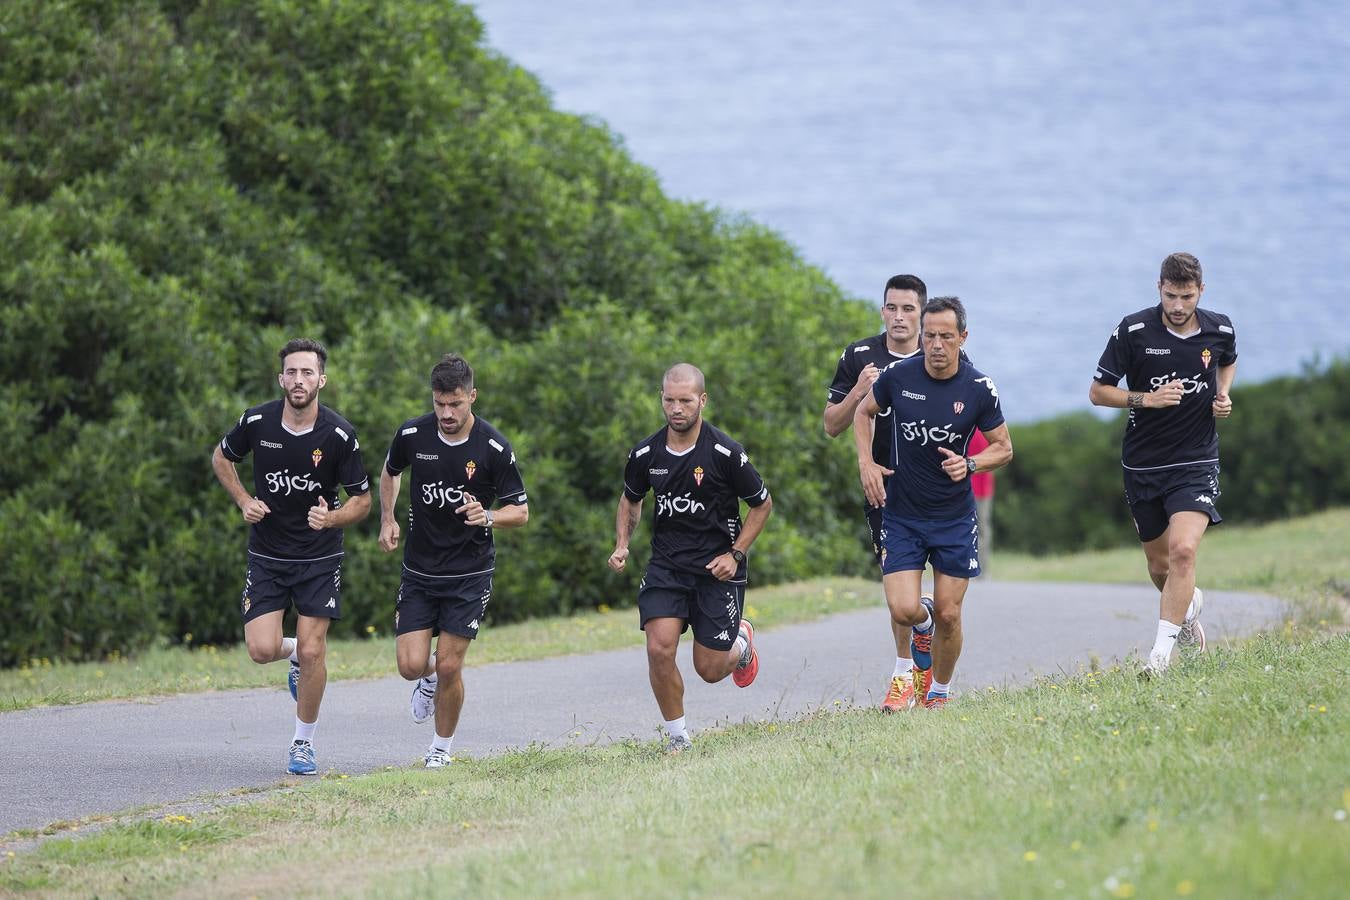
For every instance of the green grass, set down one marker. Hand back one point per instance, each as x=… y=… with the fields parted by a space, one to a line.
x=169 y=670
x=1304 y=560
x=1224 y=779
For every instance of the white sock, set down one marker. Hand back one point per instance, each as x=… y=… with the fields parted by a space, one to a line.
x=927 y=623
x=739 y=645
x=304 y=731
x=676 y=728
x=1163 y=643
x=442 y=743
x=903 y=666
x=289 y=649
x=939 y=687
x=431 y=664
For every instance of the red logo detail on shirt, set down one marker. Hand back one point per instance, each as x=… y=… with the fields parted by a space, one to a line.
x=958 y=406
x=469 y=468
x=1204 y=357
x=317 y=456
x=698 y=475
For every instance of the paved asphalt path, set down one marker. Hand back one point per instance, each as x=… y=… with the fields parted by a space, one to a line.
x=68 y=762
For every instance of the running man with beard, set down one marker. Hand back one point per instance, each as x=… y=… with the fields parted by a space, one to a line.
x=1179 y=362
x=697 y=573
x=302 y=451
x=460 y=466
x=937 y=401
x=859 y=366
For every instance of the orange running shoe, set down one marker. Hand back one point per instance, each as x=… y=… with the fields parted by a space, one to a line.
x=900 y=695
x=746 y=670
x=923 y=679
x=935 y=701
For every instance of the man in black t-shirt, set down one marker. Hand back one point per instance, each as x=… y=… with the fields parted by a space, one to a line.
x=1179 y=362
x=697 y=573
x=937 y=401
x=859 y=365
x=302 y=451
x=461 y=466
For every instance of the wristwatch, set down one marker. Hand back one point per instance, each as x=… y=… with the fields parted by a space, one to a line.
x=489 y=518
x=737 y=555
x=970 y=466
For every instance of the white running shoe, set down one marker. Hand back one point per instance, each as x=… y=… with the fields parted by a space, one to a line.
x=423 y=701
x=1192 y=634
x=436 y=759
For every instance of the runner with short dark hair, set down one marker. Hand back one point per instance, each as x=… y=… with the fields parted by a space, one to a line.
x=461 y=466
x=302 y=451
x=1178 y=362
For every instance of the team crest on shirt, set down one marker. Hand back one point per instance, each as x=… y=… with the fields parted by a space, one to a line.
x=1205 y=357
x=317 y=456
x=958 y=406
x=469 y=468
x=698 y=475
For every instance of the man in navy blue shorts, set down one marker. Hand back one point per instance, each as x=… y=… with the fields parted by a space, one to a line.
x=697 y=572
x=936 y=402
x=1179 y=361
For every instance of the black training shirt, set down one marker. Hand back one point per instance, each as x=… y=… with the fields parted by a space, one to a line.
x=1147 y=354
x=445 y=475
x=698 y=494
x=290 y=473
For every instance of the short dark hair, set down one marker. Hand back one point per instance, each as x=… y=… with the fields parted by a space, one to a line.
x=451 y=374
x=942 y=304
x=1180 y=268
x=906 y=283
x=303 y=345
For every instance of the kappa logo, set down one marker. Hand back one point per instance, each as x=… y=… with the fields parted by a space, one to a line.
x=658 y=471
x=958 y=406
x=1205 y=499
x=698 y=475
x=722 y=636
x=1157 y=351
x=317 y=456
x=974 y=564
x=913 y=396
x=332 y=603
x=474 y=624
x=469 y=468
x=271 y=445
x=429 y=457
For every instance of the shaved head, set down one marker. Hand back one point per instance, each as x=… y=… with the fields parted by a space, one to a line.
x=684 y=373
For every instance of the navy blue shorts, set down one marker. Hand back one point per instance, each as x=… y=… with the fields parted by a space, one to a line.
x=273 y=584
x=711 y=607
x=452 y=605
x=952 y=546
x=1154 y=496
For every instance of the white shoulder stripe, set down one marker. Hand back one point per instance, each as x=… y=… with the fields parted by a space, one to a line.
x=722 y=450
x=408 y=431
x=492 y=442
x=253 y=418
x=641 y=450
x=345 y=436
x=1225 y=329
x=1135 y=327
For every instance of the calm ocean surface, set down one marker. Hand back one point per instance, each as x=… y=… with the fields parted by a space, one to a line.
x=1039 y=159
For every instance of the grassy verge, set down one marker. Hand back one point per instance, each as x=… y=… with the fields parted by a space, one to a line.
x=1302 y=560
x=1227 y=778
x=168 y=670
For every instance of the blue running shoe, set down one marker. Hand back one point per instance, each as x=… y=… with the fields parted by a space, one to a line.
x=293 y=681
x=302 y=759
x=921 y=644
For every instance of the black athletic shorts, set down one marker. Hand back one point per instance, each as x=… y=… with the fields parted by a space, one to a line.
x=453 y=605
x=1154 y=496
x=712 y=607
x=873 y=514
x=272 y=584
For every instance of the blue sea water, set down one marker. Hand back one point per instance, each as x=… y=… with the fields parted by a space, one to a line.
x=1039 y=159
